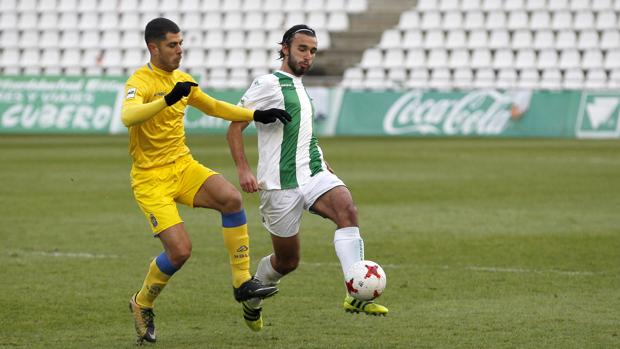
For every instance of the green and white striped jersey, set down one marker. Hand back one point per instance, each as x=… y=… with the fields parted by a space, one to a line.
x=287 y=155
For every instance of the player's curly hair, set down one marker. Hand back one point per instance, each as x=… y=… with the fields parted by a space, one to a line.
x=157 y=29
x=289 y=35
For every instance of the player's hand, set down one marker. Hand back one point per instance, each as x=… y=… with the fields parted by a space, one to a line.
x=271 y=115
x=180 y=90
x=248 y=182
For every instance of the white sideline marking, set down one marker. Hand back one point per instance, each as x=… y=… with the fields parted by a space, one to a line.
x=474 y=268
x=66 y=254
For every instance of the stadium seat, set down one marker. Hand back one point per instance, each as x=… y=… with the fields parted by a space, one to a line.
x=492 y=5
x=236 y=58
x=134 y=58
x=459 y=58
x=528 y=79
x=194 y=58
x=592 y=59
x=573 y=79
x=518 y=20
x=588 y=39
x=30 y=58
x=394 y=58
x=372 y=58
x=355 y=6
x=484 y=78
x=254 y=20
x=337 y=21
x=513 y=5
x=216 y=58
x=522 y=39
x=495 y=20
x=463 y=78
x=503 y=58
x=431 y=20
x=441 y=79
x=562 y=20
x=456 y=39
x=449 y=5
x=70 y=62
x=256 y=39
x=8 y=20
x=27 y=20
x=418 y=78
x=437 y=58
x=50 y=39
x=543 y=39
x=131 y=6
x=409 y=20
x=569 y=59
x=274 y=20
x=499 y=39
x=26 y=6
x=579 y=5
x=555 y=5
x=214 y=39
x=413 y=38
x=273 y=5
x=525 y=59
x=566 y=39
x=427 y=5
x=415 y=58
x=601 y=4
x=353 y=77
x=471 y=5
x=612 y=59
x=391 y=38
x=610 y=39
x=131 y=38
x=474 y=20
x=398 y=76
x=9 y=39
x=257 y=58
x=10 y=59
x=551 y=79
x=234 y=39
x=375 y=78
x=238 y=78
x=614 y=79
x=309 y=6
x=481 y=58
x=212 y=20
x=596 y=79
x=583 y=20
x=478 y=39
x=48 y=20
x=452 y=20
x=507 y=78
x=434 y=39
x=606 y=19
x=294 y=18
x=88 y=20
x=68 y=21
x=29 y=39
x=540 y=19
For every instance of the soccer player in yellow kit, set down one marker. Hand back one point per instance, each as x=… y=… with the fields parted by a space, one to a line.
x=164 y=172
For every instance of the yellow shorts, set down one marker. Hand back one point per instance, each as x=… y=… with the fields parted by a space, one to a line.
x=158 y=189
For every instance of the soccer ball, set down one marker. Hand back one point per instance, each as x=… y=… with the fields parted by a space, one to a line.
x=365 y=280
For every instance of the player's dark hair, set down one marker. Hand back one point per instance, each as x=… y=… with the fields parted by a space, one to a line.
x=289 y=35
x=157 y=29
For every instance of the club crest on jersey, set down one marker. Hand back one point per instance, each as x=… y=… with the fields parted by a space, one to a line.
x=131 y=93
x=153 y=220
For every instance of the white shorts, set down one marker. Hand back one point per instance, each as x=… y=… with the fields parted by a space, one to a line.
x=282 y=209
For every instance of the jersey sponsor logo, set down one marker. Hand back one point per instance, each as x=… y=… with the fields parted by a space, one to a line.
x=287 y=85
x=131 y=93
x=599 y=115
x=160 y=94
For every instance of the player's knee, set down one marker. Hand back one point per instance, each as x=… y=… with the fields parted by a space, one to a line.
x=287 y=265
x=347 y=215
x=234 y=203
x=179 y=256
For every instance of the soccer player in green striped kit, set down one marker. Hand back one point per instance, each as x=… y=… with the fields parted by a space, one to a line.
x=292 y=175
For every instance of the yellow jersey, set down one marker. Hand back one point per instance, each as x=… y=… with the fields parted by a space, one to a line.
x=160 y=140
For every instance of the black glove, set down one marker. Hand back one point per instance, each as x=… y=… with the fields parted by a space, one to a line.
x=271 y=115
x=180 y=90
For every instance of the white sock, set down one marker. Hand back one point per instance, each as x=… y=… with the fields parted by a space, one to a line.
x=267 y=275
x=349 y=246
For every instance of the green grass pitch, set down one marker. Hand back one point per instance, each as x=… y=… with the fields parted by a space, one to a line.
x=487 y=243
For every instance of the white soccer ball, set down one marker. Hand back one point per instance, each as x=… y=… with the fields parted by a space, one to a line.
x=365 y=280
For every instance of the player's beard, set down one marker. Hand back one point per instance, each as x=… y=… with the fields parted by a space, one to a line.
x=296 y=68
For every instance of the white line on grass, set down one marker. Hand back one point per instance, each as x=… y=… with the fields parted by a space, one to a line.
x=472 y=268
x=57 y=254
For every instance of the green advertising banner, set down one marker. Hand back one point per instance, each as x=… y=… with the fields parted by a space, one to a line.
x=93 y=104
x=463 y=113
x=67 y=105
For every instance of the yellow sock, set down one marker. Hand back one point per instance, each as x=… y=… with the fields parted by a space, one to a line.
x=237 y=242
x=160 y=271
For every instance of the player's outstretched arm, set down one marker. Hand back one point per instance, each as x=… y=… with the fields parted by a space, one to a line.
x=247 y=180
x=231 y=112
x=136 y=112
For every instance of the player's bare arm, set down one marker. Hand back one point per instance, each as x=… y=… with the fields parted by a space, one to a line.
x=247 y=180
